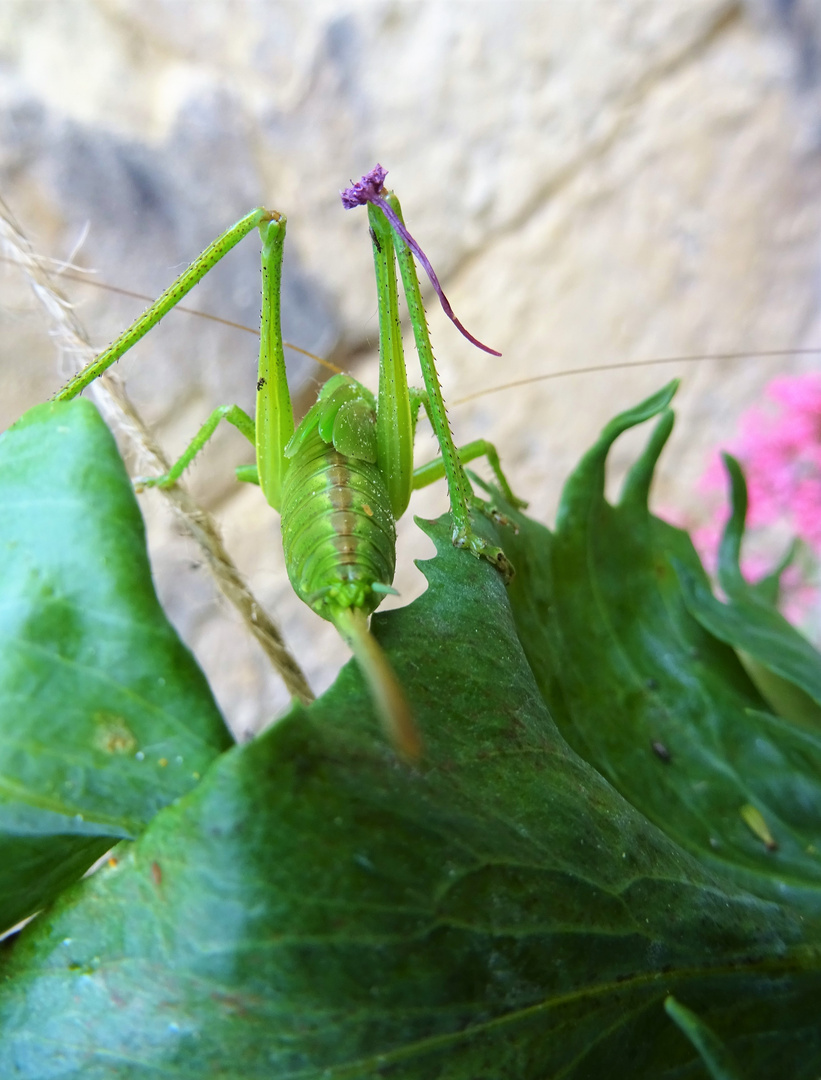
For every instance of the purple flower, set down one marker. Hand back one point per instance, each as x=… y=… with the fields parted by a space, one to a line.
x=369 y=190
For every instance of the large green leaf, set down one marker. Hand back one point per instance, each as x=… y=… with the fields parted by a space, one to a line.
x=654 y=701
x=104 y=716
x=318 y=909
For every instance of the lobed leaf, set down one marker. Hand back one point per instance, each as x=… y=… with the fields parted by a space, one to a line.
x=104 y=716
x=658 y=704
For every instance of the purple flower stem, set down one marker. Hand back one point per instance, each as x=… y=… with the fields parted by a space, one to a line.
x=369 y=190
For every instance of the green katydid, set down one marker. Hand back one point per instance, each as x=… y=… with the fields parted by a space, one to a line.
x=343 y=476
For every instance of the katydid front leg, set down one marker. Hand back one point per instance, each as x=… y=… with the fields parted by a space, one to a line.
x=434 y=470
x=232 y=413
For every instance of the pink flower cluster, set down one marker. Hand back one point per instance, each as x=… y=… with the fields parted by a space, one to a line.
x=779 y=447
x=780 y=450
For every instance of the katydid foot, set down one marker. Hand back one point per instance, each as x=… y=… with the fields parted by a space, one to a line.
x=142 y=482
x=469 y=540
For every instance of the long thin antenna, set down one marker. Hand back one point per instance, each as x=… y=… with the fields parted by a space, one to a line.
x=758 y=354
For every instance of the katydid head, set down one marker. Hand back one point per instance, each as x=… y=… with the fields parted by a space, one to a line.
x=370 y=189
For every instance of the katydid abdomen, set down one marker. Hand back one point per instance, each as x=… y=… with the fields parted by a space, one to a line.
x=338 y=532
x=339 y=537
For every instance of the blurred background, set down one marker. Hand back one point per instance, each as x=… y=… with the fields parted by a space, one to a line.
x=596 y=184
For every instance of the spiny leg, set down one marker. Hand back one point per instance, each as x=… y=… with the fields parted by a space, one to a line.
x=434 y=470
x=459 y=489
x=370 y=191
x=274 y=424
x=164 y=303
x=395 y=414
x=274 y=417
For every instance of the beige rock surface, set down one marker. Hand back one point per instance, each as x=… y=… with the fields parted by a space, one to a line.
x=596 y=184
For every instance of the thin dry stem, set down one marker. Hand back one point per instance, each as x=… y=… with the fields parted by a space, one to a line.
x=110 y=396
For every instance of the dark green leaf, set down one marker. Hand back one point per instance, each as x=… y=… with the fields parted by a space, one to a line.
x=104 y=716
x=318 y=909
x=654 y=701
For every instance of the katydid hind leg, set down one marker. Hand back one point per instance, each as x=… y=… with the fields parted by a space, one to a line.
x=395 y=418
x=274 y=424
x=274 y=412
x=459 y=489
x=499 y=388
x=273 y=427
x=434 y=470
x=169 y=299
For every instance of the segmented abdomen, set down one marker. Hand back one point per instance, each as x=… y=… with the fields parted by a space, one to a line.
x=338 y=532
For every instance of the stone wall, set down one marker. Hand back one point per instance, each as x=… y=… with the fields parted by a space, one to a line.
x=596 y=184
